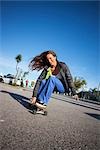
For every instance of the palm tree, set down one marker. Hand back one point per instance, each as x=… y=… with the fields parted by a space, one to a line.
x=18 y=59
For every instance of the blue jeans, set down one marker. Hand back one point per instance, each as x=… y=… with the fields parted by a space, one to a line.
x=47 y=87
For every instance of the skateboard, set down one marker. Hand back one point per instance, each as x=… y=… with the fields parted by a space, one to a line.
x=38 y=110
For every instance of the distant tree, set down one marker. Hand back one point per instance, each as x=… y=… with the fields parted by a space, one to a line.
x=23 y=77
x=94 y=90
x=79 y=82
x=32 y=83
x=94 y=94
x=25 y=73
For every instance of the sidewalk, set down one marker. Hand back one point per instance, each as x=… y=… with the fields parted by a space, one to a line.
x=85 y=100
x=90 y=101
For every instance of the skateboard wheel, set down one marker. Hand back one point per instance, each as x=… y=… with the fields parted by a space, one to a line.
x=45 y=113
x=34 y=112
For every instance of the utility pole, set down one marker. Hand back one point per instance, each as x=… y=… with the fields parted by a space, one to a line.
x=98 y=95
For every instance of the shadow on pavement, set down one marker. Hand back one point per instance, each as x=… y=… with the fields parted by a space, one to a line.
x=75 y=103
x=97 y=116
x=21 y=99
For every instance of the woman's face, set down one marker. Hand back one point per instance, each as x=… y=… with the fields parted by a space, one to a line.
x=52 y=60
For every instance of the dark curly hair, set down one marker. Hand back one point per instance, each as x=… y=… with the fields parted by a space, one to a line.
x=40 y=61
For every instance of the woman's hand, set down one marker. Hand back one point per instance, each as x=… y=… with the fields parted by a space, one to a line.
x=75 y=97
x=33 y=100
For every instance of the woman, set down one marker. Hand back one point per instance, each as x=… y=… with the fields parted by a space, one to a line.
x=55 y=75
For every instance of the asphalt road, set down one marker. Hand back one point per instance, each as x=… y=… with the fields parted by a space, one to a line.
x=69 y=125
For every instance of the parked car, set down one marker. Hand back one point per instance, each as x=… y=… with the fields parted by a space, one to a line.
x=9 y=78
x=18 y=82
x=1 y=78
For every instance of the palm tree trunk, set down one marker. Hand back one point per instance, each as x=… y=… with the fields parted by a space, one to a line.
x=16 y=73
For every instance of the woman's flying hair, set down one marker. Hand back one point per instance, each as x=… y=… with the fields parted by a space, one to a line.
x=40 y=61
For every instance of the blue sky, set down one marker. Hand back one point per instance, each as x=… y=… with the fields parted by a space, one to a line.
x=71 y=29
